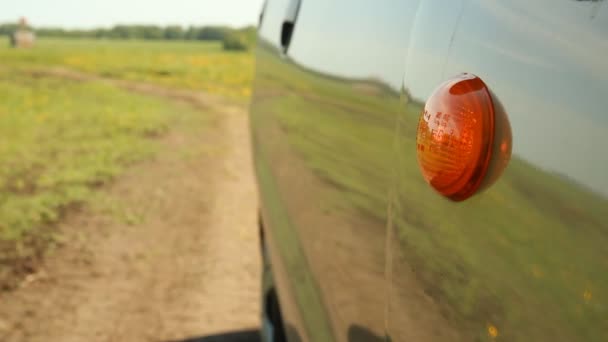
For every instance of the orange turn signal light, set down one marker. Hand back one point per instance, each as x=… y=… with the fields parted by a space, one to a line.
x=463 y=139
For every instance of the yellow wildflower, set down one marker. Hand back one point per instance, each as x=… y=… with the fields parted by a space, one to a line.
x=492 y=331
x=587 y=296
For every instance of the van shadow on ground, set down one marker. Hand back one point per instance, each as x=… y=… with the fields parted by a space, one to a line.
x=237 y=336
x=355 y=334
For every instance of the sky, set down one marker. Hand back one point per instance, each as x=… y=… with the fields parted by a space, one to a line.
x=104 y=13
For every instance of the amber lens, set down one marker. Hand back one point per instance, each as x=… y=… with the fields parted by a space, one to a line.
x=455 y=136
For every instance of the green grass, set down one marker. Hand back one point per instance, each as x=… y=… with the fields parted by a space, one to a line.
x=528 y=256
x=61 y=138
x=200 y=66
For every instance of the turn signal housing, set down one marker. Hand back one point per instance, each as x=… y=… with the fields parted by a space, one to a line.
x=463 y=139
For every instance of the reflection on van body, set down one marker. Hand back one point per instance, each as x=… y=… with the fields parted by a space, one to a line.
x=363 y=241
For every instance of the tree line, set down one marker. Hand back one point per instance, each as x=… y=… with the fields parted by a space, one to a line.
x=233 y=39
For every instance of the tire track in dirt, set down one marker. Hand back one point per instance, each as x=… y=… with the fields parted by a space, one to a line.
x=188 y=268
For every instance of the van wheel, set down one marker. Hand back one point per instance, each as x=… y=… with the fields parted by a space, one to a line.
x=272 y=321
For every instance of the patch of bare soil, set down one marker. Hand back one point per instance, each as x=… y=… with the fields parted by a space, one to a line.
x=184 y=265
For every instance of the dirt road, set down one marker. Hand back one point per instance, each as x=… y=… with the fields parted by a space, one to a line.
x=172 y=255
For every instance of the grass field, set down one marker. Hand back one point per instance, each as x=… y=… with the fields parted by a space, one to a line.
x=183 y=65
x=60 y=138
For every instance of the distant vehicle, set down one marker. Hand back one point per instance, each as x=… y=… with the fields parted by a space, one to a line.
x=23 y=37
x=433 y=170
